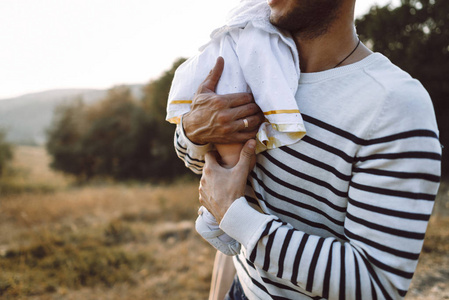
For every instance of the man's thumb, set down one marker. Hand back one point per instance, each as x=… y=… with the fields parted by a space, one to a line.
x=247 y=156
x=212 y=79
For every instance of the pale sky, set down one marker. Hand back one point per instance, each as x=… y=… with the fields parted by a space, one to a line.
x=54 y=44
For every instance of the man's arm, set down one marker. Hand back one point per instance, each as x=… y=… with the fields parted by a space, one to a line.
x=391 y=195
x=215 y=119
x=218 y=119
x=191 y=153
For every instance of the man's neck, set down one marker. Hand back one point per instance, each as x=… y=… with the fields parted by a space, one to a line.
x=329 y=49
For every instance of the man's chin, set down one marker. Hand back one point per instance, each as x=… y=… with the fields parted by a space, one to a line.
x=275 y=19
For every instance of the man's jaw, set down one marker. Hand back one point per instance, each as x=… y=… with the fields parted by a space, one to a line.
x=271 y=3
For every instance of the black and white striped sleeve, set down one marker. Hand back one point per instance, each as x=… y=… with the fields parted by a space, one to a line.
x=192 y=154
x=395 y=179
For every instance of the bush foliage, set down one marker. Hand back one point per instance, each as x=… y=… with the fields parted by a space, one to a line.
x=6 y=153
x=415 y=36
x=120 y=137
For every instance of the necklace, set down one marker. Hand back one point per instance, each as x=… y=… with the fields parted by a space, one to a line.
x=352 y=52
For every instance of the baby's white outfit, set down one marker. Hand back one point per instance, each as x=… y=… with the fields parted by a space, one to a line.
x=259 y=58
x=208 y=228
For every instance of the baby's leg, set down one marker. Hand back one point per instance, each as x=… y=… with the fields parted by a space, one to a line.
x=230 y=154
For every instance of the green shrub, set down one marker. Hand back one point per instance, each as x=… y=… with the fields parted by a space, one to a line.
x=6 y=153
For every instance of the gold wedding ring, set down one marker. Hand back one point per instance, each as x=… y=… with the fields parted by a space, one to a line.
x=245 y=121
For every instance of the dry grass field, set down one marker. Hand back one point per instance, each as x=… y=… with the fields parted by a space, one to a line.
x=60 y=241
x=130 y=241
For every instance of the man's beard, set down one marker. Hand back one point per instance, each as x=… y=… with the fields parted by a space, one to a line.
x=309 y=18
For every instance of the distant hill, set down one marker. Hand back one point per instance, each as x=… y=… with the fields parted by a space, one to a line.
x=26 y=118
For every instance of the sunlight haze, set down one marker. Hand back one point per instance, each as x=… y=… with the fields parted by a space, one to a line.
x=54 y=44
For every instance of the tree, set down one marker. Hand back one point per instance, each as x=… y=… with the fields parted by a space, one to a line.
x=6 y=153
x=119 y=137
x=155 y=103
x=156 y=93
x=107 y=139
x=415 y=36
x=64 y=139
x=117 y=140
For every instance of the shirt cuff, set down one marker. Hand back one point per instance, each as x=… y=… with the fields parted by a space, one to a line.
x=244 y=223
x=199 y=150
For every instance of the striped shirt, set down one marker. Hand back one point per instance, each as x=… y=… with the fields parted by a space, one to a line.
x=341 y=214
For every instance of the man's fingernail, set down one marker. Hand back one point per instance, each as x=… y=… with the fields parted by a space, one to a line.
x=252 y=144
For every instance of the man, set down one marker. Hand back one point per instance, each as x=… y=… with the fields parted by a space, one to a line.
x=341 y=214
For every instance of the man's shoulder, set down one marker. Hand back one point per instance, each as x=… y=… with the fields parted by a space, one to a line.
x=405 y=97
x=398 y=85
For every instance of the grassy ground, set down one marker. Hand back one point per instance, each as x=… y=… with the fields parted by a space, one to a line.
x=98 y=242
x=59 y=241
x=431 y=280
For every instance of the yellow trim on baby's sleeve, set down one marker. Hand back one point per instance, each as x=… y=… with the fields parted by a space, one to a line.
x=181 y=102
x=282 y=111
x=175 y=120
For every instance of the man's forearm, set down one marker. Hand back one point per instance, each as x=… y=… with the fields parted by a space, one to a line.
x=191 y=153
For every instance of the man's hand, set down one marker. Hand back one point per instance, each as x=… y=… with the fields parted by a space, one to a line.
x=219 y=118
x=220 y=187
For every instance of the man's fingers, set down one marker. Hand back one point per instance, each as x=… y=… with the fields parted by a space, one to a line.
x=246 y=157
x=245 y=111
x=212 y=79
x=252 y=123
x=239 y=99
x=245 y=125
x=242 y=137
x=211 y=159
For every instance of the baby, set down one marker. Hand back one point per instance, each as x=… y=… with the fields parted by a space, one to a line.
x=260 y=59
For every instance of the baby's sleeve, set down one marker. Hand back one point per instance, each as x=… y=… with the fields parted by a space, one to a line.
x=271 y=70
x=192 y=73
